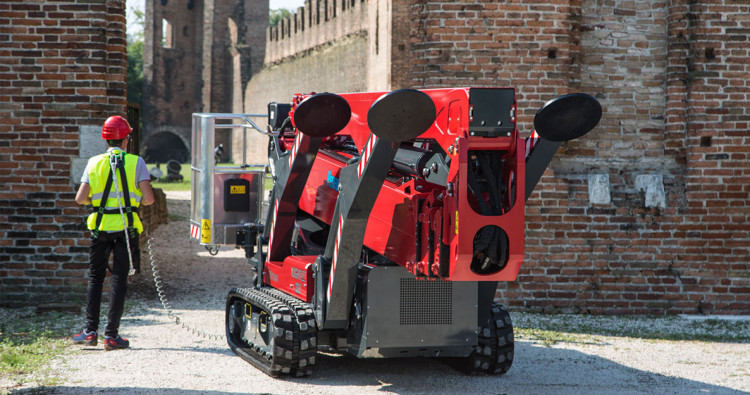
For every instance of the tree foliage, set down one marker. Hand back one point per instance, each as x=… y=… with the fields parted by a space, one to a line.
x=135 y=60
x=274 y=16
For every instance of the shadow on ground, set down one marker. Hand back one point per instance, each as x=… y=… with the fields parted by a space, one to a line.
x=537 y=370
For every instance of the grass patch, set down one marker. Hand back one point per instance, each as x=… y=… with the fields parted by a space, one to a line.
x=550 y=337
x=167 y=185
x=557 y=328
x=29 y=341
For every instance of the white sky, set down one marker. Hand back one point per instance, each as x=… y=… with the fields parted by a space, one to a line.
x=140 y=5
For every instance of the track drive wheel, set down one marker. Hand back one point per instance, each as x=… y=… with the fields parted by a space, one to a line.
x=263 y=331
x=493 y=353
x=308 y=335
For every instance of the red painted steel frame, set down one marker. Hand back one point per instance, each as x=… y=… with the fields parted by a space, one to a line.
x=391 y=229
x=293 y=276
x=468 y=222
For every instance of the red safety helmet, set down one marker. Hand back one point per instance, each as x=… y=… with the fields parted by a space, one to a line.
x=115 y=128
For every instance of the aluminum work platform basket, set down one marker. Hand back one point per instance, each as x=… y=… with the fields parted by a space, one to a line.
x=224 y=198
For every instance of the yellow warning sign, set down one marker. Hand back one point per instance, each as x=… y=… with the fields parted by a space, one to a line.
x=456 y=222
x=237 y=189
x=205 y=231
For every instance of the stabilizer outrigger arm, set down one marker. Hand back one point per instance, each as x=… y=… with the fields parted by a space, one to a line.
x=397 y=116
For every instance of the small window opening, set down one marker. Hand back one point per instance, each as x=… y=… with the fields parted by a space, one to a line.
x=167 y=34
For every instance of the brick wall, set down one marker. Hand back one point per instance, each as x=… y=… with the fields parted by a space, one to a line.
x=709 y=81
x=317 y=23
x=153 y=215
x=669 y=229
x=62 y=73
x=309 y=73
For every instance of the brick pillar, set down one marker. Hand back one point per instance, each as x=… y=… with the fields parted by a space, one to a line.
x=63 y=73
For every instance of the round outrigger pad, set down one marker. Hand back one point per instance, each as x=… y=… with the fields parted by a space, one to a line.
x=567 y=117
x=401 y=115
x=322 y=115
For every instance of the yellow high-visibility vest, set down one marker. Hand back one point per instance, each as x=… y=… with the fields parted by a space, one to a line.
x=99 y=171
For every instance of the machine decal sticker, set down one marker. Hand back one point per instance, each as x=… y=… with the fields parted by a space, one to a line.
x=456 y=222
x=295 y=148
x=273 y=226
x=332 y=181
x=237 y=189
x=195 y=231
x=366 y=154
x=206 y=231
x=531 y=142
x=335 y=256
x=299 y=274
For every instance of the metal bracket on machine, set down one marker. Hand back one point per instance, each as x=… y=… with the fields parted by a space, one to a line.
x=397 y=116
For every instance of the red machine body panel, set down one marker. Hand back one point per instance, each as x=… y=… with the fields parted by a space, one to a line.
x=321 y=190
x=392 y=225
x=468 y=222
x=391 y=229
x=293 y=276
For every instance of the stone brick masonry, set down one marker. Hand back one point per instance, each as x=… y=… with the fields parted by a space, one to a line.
x=672 y=234
x=62 y=73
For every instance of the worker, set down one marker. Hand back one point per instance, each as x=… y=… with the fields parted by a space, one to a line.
x=114 y=226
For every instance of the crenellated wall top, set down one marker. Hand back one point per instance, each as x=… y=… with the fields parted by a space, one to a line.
x=317 y=23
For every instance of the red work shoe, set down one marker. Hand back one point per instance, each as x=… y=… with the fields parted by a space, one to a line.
x=86 y=337
x=115 y=343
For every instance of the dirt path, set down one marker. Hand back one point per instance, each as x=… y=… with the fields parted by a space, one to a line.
x=165 y=358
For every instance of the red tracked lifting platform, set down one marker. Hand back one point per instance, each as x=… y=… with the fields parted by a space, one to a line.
x=392 y=217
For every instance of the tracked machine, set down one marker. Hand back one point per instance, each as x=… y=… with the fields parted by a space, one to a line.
x=392 y=217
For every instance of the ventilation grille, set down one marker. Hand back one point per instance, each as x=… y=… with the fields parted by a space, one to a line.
x=425 y=302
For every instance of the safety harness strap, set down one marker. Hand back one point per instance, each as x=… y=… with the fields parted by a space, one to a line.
x=100 y=211
x=126 y=192
x=106 y=210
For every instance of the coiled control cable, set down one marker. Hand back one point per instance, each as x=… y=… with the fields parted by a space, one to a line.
x=165 y=302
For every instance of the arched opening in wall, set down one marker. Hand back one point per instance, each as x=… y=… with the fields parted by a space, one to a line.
x=167 y=34
x=164 y=146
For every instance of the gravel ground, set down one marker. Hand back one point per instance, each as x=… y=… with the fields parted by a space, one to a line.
x=167 y=358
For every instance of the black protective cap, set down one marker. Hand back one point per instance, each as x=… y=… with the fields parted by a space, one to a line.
x=401 y=115
x=322 y=115
x=567 y=117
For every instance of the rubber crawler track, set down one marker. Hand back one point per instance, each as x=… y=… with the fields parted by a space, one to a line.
x=307 y=330
x=283 y=356
x=493 y=353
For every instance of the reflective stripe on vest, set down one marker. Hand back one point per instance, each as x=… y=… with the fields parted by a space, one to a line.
x=99 y=171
